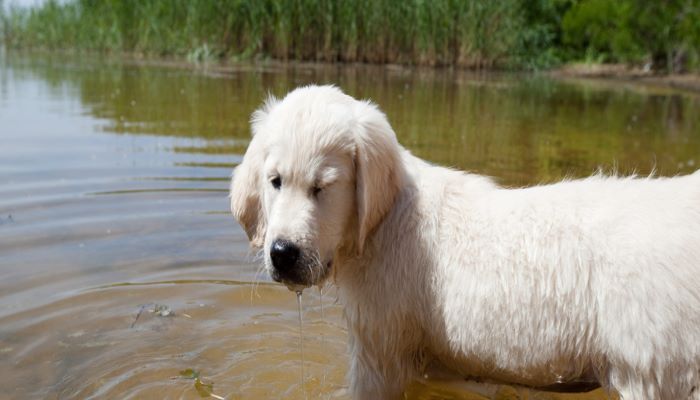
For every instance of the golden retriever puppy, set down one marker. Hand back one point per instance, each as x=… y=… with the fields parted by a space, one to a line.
x=596 y=278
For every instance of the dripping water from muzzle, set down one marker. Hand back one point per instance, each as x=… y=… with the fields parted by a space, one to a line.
x=301 y=342
x=323 y=339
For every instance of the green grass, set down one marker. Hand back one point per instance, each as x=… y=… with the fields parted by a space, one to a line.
x=463 y=33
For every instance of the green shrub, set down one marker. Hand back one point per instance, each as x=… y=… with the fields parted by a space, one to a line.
x=665 y=34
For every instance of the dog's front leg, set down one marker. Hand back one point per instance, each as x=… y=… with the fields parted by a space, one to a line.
x=367 y=381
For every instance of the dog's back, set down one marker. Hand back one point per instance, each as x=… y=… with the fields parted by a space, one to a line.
x=602 y=272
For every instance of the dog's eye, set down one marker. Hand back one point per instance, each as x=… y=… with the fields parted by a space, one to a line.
x=316 y=190
x=276 y=182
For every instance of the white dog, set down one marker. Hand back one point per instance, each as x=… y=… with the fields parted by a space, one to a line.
x=596 y=278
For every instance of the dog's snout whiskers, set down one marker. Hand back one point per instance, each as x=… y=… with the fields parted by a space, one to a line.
x=259 y=258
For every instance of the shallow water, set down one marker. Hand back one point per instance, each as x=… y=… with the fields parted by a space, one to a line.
x=121 y=268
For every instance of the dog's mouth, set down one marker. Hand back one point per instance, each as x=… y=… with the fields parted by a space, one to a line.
x=295 y=287
x=304 y=276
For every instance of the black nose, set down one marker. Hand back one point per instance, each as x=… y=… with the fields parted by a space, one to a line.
x=284 y=255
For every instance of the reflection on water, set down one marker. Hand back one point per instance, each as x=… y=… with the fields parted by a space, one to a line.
x=113 y=185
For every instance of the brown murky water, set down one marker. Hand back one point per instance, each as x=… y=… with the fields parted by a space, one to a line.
x=122 y=274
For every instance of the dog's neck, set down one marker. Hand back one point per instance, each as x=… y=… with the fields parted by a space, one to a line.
x=359 y=273
x=399 y=229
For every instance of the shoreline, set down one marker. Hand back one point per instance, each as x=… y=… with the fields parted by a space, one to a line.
x=624 y=73
x=620 y=73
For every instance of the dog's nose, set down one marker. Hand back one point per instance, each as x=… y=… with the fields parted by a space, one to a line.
x=284 y=255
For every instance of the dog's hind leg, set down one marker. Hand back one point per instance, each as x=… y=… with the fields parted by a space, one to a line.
x=632 y=384
x=660 y=384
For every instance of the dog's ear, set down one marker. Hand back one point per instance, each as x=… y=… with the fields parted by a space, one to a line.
x=378 y=169
x=246 y=184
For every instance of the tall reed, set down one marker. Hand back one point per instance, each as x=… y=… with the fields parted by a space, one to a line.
x=470 y=33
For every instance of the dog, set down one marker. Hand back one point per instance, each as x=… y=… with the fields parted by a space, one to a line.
x=591 y=279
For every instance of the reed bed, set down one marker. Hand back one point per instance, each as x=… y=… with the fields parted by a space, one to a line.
x=463 y=33
x=475 y=34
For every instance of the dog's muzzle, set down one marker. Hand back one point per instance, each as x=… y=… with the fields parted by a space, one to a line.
x=286 y=258
x=295 y=267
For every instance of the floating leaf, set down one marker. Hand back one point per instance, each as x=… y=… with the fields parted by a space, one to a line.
x=204 y=389
x=189 y=373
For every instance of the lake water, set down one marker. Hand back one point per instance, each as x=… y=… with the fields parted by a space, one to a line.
x=122 y=274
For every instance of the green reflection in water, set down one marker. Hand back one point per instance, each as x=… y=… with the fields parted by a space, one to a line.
x=520 y=129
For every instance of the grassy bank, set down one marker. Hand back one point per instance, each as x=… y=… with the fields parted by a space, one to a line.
x=469 y=33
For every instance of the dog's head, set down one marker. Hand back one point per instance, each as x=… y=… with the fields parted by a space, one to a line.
x=319 y=175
